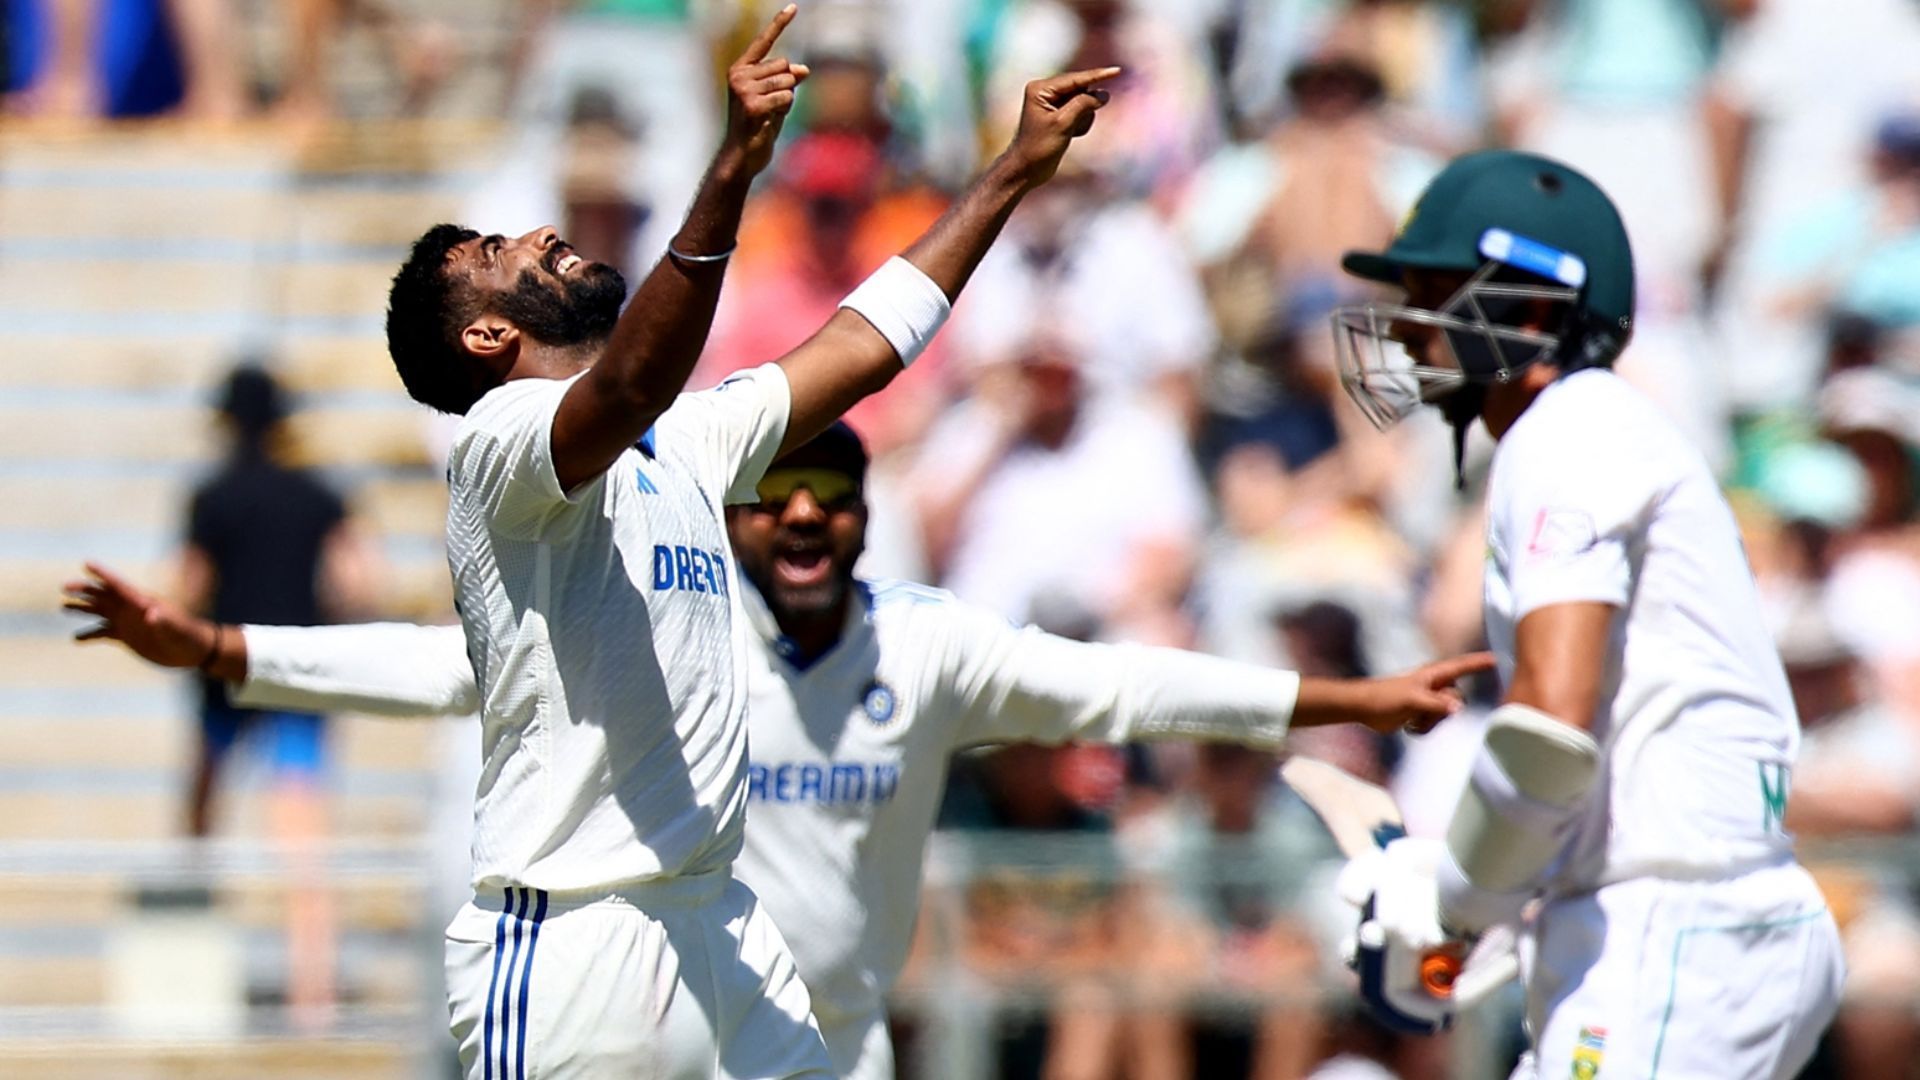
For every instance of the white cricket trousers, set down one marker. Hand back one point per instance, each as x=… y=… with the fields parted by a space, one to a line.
x=680 y=979
x=1731 y=979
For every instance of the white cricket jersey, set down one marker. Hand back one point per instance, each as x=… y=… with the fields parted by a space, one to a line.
x=601 y=628
x=1594 y=496
x=850 y=755
x=849 y=752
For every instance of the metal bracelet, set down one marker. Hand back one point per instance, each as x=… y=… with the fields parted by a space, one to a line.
x=697 y=260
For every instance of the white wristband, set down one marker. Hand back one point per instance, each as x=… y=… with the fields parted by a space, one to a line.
x=903 y=304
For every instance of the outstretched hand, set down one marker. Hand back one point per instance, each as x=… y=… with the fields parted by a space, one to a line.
x=760 y=94
x=1418 y=700
x=154 y=629
x=1055 y=112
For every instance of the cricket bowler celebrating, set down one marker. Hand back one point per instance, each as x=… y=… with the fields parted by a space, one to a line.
x=1634 y=778
x=607 y=935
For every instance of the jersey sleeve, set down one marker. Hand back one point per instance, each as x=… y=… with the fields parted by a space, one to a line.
x=729 y=434
x=1021 y=684
x=1570 y=521
x=501 y=467
x=387 y=669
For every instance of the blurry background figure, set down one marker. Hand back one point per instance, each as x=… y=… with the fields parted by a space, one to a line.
x=601 y=151
x=1854 y=250
x=1325 y=640
x=1226 y=974
x=1165 y=112
x=650 y=57
x=1426 y=54
x=1085 y=258
x=76 y=60
x=1040 y=910
x=268 y=544
x=1267 y=221
x=1041 y=494
x=1800 y=87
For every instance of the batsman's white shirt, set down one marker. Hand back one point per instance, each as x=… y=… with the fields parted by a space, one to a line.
x=1594 y=496
x=600 y=626
x=1678 y=931
x=849 y=752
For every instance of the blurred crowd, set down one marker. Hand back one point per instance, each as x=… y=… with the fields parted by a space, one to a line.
x=1131 y=429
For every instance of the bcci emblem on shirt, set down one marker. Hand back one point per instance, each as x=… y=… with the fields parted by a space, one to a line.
x=879 y=702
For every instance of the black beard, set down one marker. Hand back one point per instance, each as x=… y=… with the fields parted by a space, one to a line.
x=585 y=309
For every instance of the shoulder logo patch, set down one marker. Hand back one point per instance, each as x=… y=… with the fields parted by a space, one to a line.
x=879 y=702
x=1561 y=533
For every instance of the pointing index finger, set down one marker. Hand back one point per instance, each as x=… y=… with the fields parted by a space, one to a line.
x=1075 y=81
x=1453 y=668
x=763 y=44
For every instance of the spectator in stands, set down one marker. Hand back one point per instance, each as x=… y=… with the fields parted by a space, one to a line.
x=1164 y=116
x=651 y=57
x=601 y=151
x=846 y=197
x=268 y=544
x=1267 y=222
x=1424 y=50
x=1040 y=493
x=1224 y=970
x=1857 y=250
x=1800 y=85
x=188 y=58
x=1083 y=255
x=1290 y=536
x=1874 y=593
x=1049 y=924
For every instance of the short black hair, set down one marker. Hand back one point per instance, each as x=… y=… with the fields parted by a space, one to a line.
x=838 y=448
x=251 y=400
x=426 y=311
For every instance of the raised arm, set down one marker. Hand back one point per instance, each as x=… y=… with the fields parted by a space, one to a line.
x=850 y=357
x=661 y=333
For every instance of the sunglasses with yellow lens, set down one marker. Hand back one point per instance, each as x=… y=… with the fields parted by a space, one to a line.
x=834 y=491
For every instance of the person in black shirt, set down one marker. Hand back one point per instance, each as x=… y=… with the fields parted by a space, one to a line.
x=268 y=544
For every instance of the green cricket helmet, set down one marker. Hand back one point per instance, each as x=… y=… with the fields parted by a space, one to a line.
x=1524 y=229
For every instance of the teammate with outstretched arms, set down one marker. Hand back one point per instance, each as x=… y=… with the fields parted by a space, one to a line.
x=859 y=693
x=1635 y=776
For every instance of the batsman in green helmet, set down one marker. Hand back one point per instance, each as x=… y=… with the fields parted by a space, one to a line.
x=1627 y=809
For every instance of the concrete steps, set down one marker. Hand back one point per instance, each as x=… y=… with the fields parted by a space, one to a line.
x=137 y=264
x=287 y=1059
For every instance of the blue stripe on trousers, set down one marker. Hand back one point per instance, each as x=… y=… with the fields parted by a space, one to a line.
x=526 y=976
x=499 y=946
x=506 y=994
